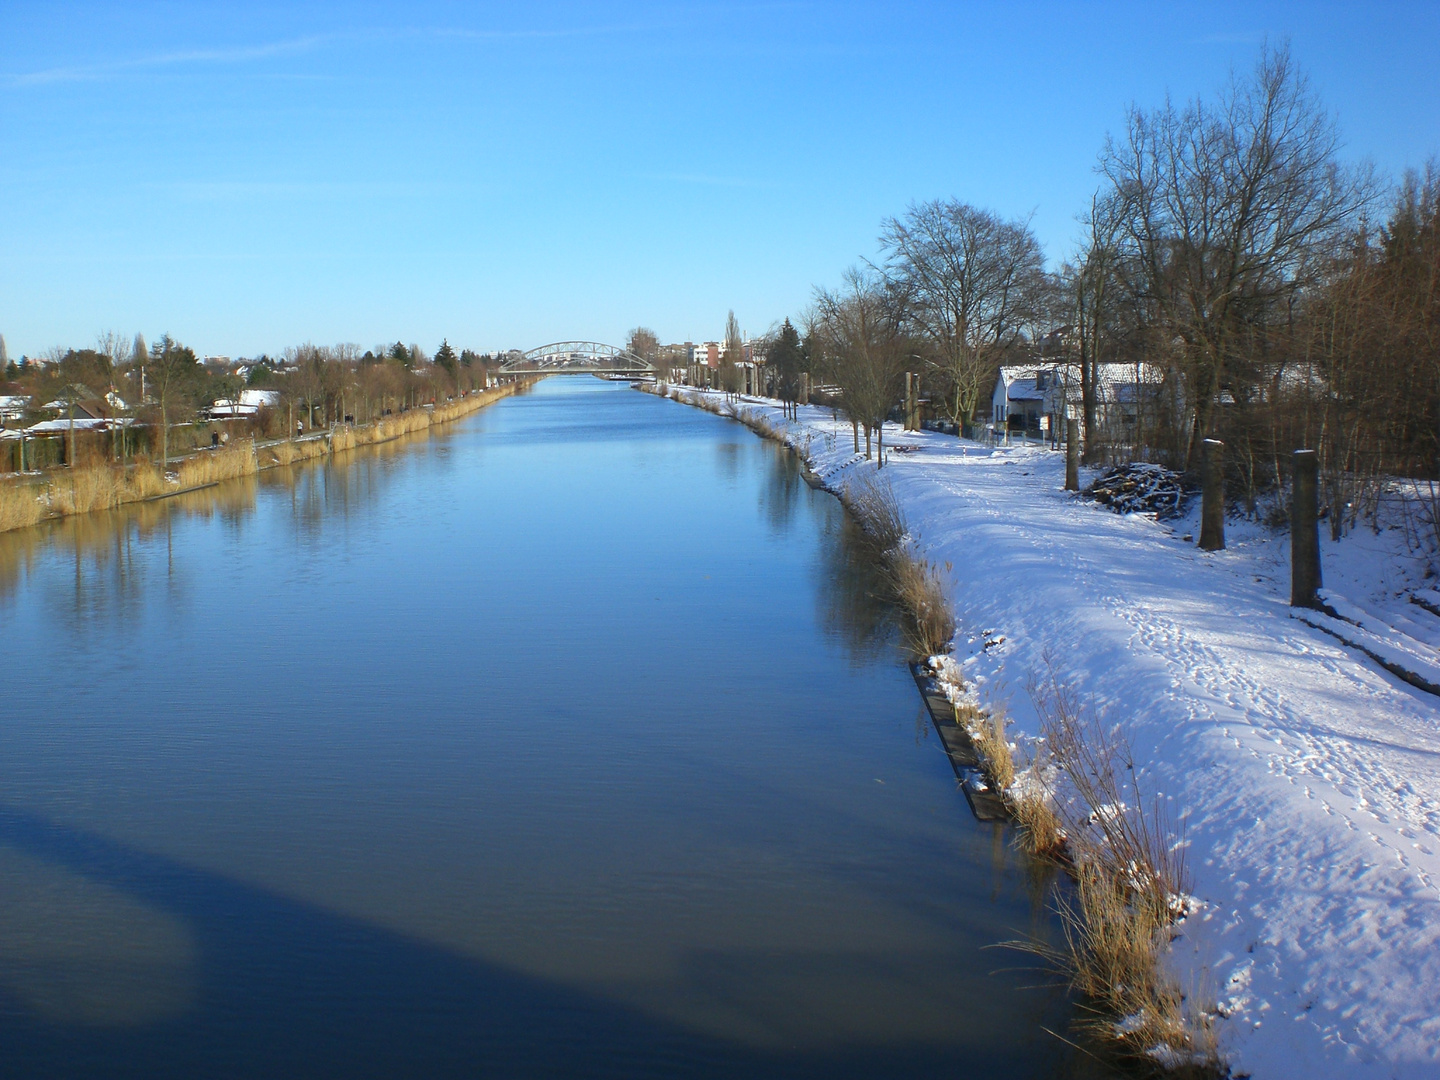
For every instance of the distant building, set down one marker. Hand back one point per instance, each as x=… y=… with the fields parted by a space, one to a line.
x=249 y=403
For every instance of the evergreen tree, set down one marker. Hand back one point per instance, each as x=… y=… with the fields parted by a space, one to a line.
x=399 y=352
x=445 y=357
x=787 y=357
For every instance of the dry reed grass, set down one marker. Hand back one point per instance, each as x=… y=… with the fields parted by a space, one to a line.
x=1129 y=888
x=143 y=481
x=987 y=732
x=874 y=506
x=1039 y=823
x=929 y=624
x=21 y=505
x=915 y=584
x=85 y=489
x=215 y=466
x=288 y=453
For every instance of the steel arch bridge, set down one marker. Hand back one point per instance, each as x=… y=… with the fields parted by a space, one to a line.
x=581 y=357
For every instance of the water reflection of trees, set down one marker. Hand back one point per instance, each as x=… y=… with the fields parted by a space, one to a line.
x=107 y=550
x=781 y=490
x=853 y=597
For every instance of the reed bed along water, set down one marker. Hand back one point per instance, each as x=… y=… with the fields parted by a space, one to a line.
x=25 y=502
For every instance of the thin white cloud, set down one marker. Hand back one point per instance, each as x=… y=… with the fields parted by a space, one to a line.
x=290 y=47
x=237 y=55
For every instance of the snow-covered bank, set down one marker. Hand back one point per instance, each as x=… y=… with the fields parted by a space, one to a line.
x=1305 y=775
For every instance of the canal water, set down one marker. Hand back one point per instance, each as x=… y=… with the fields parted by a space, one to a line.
x=571 y=740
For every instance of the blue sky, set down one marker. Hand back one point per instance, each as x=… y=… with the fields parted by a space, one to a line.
x=246 y=177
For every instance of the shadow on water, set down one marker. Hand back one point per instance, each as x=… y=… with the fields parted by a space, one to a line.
x=342 y=998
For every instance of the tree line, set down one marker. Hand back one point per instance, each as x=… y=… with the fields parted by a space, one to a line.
x=165 y=384
x=1276 y=295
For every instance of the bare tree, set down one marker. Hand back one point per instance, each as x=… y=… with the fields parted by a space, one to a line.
x=172 y=369
x=1093 y=298
x=1223 y=211
x=111 y=350
x=862 y=327
x=643 y=343
x=973 y=280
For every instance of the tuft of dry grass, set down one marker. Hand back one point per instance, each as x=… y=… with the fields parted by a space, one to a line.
x=758 y=422
x=929 y=624
x=987 y=732
x=1039 y=823
x=875 y=507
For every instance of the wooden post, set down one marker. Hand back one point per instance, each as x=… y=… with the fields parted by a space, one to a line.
x=1212 y=488
x=1305 y=581
x=1072 y=455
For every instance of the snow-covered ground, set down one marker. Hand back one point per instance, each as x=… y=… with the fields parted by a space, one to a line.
x=1305 y=775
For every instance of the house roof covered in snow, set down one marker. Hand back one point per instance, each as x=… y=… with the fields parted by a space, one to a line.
x=80 y=423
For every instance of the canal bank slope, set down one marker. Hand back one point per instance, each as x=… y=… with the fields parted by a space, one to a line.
x=1304 y=777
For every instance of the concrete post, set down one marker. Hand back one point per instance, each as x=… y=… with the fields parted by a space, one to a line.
x=1072 y=455
x=1305 y=579
x=1212 y=494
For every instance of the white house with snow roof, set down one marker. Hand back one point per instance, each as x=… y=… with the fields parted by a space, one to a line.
x=1038 y=398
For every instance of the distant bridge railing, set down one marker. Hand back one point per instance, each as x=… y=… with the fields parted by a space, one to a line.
x=588 y=357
